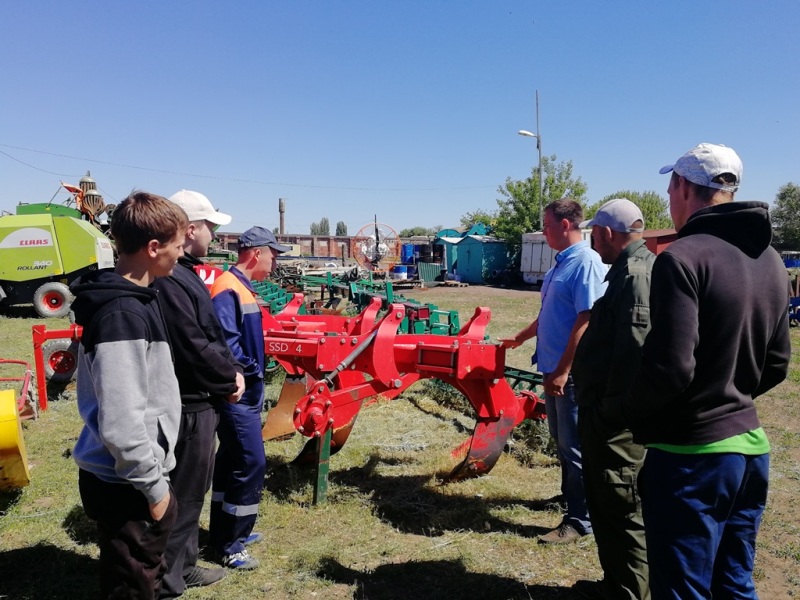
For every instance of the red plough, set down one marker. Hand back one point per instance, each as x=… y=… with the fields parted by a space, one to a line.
x=26 y=401
x=347 y=360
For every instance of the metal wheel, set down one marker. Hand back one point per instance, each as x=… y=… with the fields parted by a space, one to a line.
x=60 y=359
x=52 y=299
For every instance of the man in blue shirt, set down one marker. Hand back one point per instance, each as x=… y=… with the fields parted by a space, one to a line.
x=569 y=290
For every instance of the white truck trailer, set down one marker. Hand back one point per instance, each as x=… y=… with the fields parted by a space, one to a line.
x=538 y=257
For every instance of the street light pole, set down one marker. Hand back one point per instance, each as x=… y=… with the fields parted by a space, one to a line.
x=538 y=136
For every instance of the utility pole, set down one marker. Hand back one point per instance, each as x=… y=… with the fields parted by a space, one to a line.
x=538 y=136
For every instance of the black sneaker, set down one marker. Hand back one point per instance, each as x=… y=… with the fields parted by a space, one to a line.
x=200 y=576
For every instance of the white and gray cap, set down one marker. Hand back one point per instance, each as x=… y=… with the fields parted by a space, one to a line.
x=199 y=208
x=618 y=214
x=704 y=162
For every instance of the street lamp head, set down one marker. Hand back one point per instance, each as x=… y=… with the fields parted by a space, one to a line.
x=527 y=133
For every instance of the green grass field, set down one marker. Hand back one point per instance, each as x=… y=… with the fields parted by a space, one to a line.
x=389 y=530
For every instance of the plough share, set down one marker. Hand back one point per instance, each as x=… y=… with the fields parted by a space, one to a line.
x=336 y=363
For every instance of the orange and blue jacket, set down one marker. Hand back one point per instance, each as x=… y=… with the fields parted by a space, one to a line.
x=240 y=316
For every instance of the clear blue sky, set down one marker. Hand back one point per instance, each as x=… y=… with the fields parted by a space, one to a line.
x=404 y=109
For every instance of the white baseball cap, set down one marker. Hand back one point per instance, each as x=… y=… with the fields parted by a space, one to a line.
x=704 y=162
x=617 y=214
x=198 y=208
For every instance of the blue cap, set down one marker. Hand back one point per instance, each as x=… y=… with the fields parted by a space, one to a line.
x=258 y=237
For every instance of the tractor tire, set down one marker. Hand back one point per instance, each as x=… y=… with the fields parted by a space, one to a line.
x=52 y=300
x=60 y=359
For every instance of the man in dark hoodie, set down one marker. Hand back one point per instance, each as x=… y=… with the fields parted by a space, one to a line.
x=208 y=375
x=719 y=338
x=128 y=398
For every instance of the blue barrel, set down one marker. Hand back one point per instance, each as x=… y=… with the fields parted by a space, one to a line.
x=407 y=253
x=791 y=263
x=400 y=272
x=412 y=271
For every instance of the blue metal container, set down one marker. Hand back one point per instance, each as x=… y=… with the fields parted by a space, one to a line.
x=407 y=254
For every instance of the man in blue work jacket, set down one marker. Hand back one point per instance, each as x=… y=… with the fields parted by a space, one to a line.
x=241 y=463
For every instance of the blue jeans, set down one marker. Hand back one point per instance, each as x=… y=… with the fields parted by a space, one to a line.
x=701 y=517
x=562 y=421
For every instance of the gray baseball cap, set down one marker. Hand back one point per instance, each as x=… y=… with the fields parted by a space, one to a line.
x=618 y=214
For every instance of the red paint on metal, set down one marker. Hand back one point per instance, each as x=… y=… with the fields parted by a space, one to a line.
x=354 y=359
x=40 y=336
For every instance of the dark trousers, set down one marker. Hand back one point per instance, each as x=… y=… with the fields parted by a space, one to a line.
x=131 y=544
x=191 y=479
x=238 y=473
x=701 y=516
x=610 y=473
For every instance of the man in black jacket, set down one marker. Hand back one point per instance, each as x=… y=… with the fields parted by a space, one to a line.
x=719 y=338
x=207 y=374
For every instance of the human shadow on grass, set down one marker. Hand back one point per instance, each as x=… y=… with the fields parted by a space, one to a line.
x=60 y=390
x=80 y=528
x=46 y=571
x=433 y=580
x=284 y=480
x=9 y=499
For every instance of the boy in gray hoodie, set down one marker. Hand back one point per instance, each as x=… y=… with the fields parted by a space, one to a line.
x=128 y=398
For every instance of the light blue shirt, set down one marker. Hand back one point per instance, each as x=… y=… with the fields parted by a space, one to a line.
x=570 y=287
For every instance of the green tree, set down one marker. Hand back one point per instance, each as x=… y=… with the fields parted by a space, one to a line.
x=655 y=209
x=477 y=216
x=321 y=228
x=411 y=232
x=785 y=216
x=341 y=229
x=518 y=209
